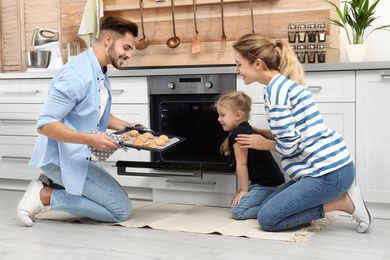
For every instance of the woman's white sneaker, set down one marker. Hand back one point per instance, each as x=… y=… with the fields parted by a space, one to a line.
x=31 y=203
x=362 y=214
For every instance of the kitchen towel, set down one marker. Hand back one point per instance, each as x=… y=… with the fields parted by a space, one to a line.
x=104 y=155
x=202 y=220
x=90 y=24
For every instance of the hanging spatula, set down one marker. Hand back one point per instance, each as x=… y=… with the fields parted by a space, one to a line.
x=196 y=40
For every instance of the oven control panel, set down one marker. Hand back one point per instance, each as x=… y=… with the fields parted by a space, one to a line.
x=196 y=84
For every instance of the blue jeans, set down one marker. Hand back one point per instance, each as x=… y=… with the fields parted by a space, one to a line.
x=250 y=203
x=297 y=203
x=102 y=199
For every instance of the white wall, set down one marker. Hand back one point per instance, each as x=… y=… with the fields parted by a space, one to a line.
x=378 y=42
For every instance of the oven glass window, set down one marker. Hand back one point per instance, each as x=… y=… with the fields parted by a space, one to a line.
x=194 y=118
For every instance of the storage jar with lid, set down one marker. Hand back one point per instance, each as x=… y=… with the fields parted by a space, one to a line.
x=301 y=53
x=311 y=32
x=321 y=53
x=322 y=32
x=311 y=54
x=292 y=33
x=302 y=33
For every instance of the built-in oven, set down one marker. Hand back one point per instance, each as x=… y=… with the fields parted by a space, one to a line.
x=185 y=106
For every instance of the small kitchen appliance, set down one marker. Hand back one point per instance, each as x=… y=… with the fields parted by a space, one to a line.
x=44 y=40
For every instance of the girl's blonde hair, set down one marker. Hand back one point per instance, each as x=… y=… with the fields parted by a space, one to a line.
x=274 y=54
x=235 y=101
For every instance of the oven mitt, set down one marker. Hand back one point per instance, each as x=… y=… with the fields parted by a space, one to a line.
x=104 y=155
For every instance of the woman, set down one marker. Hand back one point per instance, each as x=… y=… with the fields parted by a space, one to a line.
x=315 y=157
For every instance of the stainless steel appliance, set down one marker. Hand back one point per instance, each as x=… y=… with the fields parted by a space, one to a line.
x=185 y=106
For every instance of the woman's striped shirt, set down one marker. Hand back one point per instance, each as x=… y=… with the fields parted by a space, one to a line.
x=307 y=146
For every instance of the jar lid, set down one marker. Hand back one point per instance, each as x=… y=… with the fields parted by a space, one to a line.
x=312 y=25
x=311 y=47
x=292 y=26
x=301 y=47
x=302 y=26
x=322 y=25
x=321 y=47
x=293 y=47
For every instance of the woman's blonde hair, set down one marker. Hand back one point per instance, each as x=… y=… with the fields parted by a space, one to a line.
x=235 y=101
x=274 y=54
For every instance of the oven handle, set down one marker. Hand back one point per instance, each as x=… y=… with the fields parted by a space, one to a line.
x=183 y=182
x=121 y=170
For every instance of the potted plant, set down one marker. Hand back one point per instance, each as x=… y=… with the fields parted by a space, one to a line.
x=355 y=18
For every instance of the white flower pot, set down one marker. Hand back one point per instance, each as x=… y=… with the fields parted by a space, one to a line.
x=356 y=52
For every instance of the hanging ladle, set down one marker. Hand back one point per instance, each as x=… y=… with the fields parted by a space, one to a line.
x=223 y=28
x=174 y=41
x=143 y=42
x=253 y=24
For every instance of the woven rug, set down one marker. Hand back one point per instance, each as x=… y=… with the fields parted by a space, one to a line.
x=200 y=219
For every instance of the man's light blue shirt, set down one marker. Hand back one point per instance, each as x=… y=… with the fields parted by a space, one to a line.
x=74 y=100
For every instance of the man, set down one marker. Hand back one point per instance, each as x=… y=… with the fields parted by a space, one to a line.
x=79 y=102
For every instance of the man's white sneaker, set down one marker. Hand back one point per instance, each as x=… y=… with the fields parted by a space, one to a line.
x=362 y=214
x=31 y=203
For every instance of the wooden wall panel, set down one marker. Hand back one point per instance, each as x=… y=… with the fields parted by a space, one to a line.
x=271 y=17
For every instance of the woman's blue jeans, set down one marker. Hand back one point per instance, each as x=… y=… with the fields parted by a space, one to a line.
x=250 y=203
x=102 y=199
x=297 y=203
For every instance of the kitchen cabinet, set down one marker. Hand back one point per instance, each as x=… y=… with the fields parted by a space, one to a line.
x=211 y=190
x=20 y=104
x=372 y=139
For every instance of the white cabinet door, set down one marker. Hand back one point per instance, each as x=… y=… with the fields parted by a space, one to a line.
x=372 y=134
x=127 y=90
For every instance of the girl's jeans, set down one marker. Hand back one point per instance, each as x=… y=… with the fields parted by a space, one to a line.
x=296 y=203
x=102 y=199
x=250 y=203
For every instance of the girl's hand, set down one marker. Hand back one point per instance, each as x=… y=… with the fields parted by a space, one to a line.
x=237 y=198
x=253 y=141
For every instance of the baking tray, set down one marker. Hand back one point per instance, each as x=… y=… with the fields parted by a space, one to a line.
x=173 y=140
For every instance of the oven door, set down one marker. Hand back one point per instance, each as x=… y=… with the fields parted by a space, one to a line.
x=194 y=117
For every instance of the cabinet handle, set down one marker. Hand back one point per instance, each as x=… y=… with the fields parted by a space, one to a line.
x=17 y=120
x=210 y=183
x=117 y=91
x=15 y=157
x=385 y=75
x=316 y=88
x=21 y=92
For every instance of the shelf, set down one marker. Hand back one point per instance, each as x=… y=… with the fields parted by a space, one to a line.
x=178 y=3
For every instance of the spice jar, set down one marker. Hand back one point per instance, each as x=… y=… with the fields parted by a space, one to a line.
x=321 y=53
x=322 y=32
x=311 y=32
x=311 y=54
x=292 y=33
x=302 y=33
x=301 y=53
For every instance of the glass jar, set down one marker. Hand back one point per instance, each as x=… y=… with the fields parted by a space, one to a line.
x=301 y=53
x=292 y=33
x=311 y=32
x=302 y=33
x=311 y=54
x=322 y=32
x=321 y=53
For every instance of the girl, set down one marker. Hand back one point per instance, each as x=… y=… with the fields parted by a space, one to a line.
x=315 y=157
x=257 y=171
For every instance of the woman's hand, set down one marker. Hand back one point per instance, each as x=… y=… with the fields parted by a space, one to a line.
x=255 y=141
x=237 y=198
